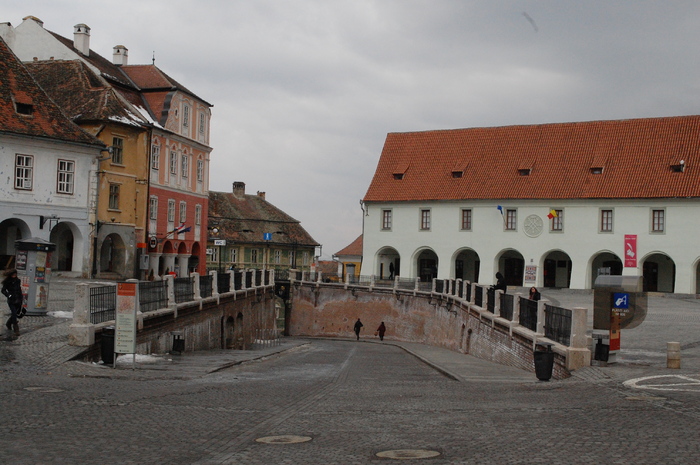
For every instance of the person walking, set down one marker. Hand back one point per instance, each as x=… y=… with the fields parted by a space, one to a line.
x=12 y=289
x=381 y=330
x=358 y=327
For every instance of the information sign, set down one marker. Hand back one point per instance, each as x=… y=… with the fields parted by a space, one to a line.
x=125 y=335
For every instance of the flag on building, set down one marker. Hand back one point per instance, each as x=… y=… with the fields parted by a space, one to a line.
x=552 y=214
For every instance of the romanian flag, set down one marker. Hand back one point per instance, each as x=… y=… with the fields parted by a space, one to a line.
x=552 y=214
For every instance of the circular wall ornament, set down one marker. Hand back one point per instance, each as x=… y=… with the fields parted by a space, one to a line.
x=533 y=226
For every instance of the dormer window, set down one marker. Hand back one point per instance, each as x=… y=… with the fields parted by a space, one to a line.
x=398 y=176
x=24 y=108
x=400 y=170
x=597 y=170
x=679 y=168
x=457 y=174
x=524 y=172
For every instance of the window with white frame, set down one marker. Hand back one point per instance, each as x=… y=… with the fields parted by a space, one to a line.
x=197 y=214
x=66 y=175
x=306 y=259
x=290 y=257
x=202 y=123
x=155 y=157
x=557 y=220
x=171 y=210
x=114 y=196
x=425 y=219
x=183 y=212
x=153 y=208
x=278 y=257
x=233 y=255
x=386 y=219
x=173 y=162
x=24 y=171
x=186 y=116
x=466 y=223
x=254 y=256
x=658 y=220
x=117 y=150
x=606 y=221
x=185 y=165
x=511 y=219
x=200 y=170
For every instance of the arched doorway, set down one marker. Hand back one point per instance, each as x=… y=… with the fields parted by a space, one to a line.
x=388 y=260
x=113 y=255
x=606 y=263
x=426 y=265
x=227 y=333
x=67 y=256
x=556 y=270
x=659 y=272
x=466 y=265
x=194 y=259
x=512 y=264
x=11 y=230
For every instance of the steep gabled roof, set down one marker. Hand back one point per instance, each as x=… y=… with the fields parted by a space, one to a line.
x=245 y=218
x=44 y=118
x=355 y=248
x=150 y=78
x=83 y=95
x=625 y=159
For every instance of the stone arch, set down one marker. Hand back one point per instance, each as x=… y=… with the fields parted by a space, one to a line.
x=511 y=264
x=68 y=255
x=556 y=269
x=603 y=262
x=465 y=265
x=11 y=230
x=194 y=259
x=384 y=259
x=113 y=255
x=228 y=330
x=659 y=271
x=425 y=264
x=182 y=248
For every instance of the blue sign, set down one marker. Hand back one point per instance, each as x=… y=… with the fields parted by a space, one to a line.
x=621 y=300
x=267 y=236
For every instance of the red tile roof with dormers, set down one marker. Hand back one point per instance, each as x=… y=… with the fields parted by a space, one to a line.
x=636 y=156
x=46 y=118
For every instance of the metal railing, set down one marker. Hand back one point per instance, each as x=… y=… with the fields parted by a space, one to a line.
x=507 y=306
x=557 y=324
x=266 y=338
x=479 y=296
x=184 y=290
x=468 y=297
x=491 y=300
x=206 y=285
x=406 y=283
x=103 y=303
x=528 y=314
x=223 y=282
x=153 y=295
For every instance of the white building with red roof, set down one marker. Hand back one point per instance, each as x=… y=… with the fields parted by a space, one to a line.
x=549 y=205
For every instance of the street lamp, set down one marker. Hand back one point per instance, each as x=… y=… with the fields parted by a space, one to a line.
x=219 y=243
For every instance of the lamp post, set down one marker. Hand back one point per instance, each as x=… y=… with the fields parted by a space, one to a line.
x=219 y=243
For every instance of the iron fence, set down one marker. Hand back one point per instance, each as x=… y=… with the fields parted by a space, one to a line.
x=440 y=286
x=223 y=282
x=153 y=295
x=491 y=300
x=557 y=324
x=425 y=286
x=468 y=296
x=248 y=280
x=205 y=285
x=528 y=314
x=479 y=296
x=238 y=279
x=459 y=289
x=184 y=289
x=406 y=283
x=103 y=303
x=384 y=283
x=507 y=306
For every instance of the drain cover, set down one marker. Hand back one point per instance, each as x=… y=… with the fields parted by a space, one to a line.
x=284 y=439
x=408 y=454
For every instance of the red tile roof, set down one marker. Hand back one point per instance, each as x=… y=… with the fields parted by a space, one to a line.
x=636 y=157
x=150 y=78
x=355 y=248
x=46 y=119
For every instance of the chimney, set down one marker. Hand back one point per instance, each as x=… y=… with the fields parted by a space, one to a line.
x=238 y=189
x=81 y=39
x=120 y=55
x=261 y=195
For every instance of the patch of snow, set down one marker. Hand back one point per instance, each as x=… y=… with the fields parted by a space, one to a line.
x=128 y=359
x=61 y=314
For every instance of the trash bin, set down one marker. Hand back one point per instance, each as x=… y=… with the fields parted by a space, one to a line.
x=544 y=362
x=107 y=345
x=602 y=351
x=178 y=342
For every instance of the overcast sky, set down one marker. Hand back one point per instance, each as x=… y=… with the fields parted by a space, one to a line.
x=305 y=91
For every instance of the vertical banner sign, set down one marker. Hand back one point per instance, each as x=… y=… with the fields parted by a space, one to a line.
x=125 y=337
x=530 y=275
x=630 y=251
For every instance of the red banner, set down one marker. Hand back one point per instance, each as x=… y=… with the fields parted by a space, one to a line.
x=630 y=251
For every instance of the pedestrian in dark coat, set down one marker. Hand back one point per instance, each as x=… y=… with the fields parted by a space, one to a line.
x=381 y=330
x=534 y=294
x=358 y=327
x=500 y=282
x=12 y=289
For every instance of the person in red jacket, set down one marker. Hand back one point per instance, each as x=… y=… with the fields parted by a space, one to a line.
x=381 y=330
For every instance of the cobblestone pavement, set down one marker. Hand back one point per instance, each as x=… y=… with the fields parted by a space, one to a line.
x=350 y=401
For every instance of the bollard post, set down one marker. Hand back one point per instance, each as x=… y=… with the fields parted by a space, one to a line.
x=673 y=355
